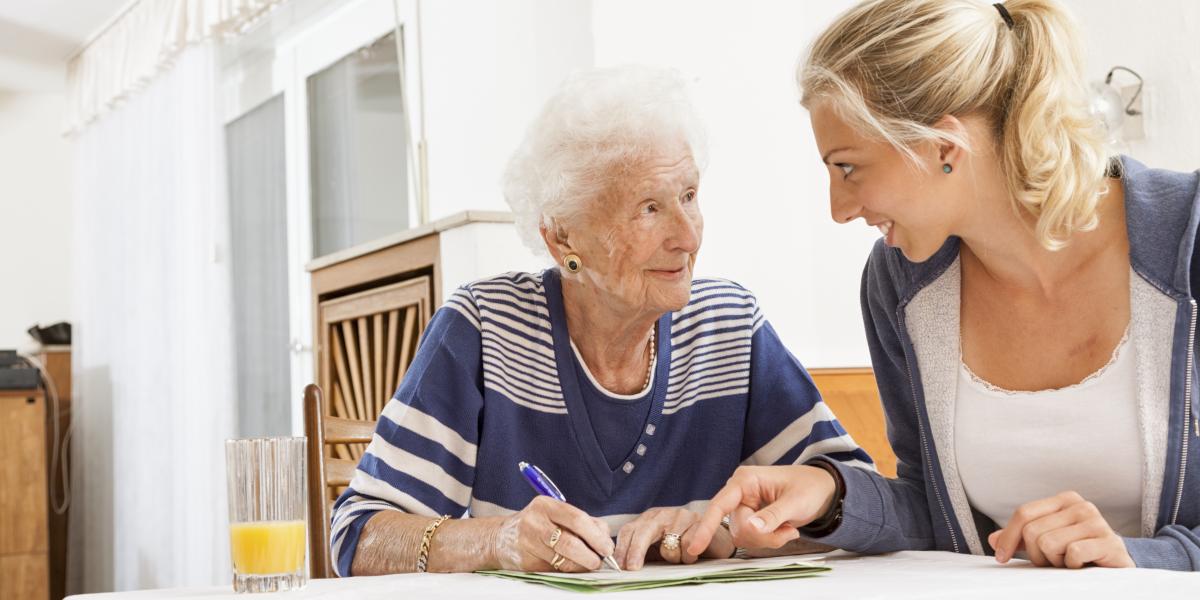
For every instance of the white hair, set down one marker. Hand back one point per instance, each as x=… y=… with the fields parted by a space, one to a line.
x=599 y=123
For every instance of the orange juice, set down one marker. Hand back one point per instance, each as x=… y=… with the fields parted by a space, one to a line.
x=267 y=547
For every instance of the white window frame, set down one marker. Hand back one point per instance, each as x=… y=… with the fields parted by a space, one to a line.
x=301 y=39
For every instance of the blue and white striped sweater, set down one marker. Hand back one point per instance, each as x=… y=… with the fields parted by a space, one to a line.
x=494 y=383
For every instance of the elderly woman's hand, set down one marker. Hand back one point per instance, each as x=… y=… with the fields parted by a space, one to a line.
x=548 y=534
x=635 y=539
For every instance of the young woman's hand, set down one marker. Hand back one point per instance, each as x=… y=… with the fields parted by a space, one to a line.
x=1063 y=531
x=766 y=505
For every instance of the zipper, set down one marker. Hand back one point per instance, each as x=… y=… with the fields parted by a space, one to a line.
x=929 y=459
x=1187 y=414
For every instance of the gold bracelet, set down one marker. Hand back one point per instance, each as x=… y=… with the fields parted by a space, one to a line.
x=427 y=541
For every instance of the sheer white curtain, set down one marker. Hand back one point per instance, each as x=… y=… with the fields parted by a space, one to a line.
x=153 y=330
x=142 y=43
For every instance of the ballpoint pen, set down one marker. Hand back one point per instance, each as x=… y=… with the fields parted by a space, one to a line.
x=542 y=485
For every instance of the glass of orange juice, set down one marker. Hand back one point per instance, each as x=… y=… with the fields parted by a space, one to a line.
x=266 y=513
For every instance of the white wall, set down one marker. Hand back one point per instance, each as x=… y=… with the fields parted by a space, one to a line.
x=764 y=197
x=765 y=192
x=488 y=67
x=478 y=250
x=1161 y=41
x=35 y=217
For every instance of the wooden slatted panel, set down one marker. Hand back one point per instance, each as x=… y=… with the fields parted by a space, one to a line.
x=340 y=450
x=341 y=387
x=350 y=344
x=377 y=355
x=391 y=377
x=370 y=340
x=410 y=319
x=366 y=403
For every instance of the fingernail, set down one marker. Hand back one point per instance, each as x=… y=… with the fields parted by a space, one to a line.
x=1001 y=556
x=758 y=523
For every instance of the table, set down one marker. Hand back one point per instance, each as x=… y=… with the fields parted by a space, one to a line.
x=894 y=576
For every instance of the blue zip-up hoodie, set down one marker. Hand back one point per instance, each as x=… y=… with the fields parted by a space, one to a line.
x=911 y=315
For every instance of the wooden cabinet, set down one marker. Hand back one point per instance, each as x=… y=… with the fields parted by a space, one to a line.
x=24 y=524
x=33 y=538
x=371 y=304
x=370 y=308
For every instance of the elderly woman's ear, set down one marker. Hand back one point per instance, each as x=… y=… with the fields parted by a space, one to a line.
x=557 y=245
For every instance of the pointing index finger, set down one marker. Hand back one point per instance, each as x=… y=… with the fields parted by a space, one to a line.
x=722 y=504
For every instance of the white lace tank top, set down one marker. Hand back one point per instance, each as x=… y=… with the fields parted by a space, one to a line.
x=1015 y=447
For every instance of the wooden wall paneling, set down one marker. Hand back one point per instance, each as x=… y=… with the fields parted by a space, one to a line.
x=853 y=397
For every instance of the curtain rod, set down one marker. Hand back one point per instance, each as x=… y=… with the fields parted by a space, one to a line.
x=91 y=39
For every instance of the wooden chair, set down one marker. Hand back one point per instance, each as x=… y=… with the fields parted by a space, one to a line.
x=327 y=476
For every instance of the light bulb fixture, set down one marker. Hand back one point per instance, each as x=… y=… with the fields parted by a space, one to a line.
x=1110 y=106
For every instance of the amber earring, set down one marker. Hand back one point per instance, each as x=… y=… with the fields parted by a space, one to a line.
x=572 y=262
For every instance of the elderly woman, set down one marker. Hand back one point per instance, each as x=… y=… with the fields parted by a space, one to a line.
x=636 y=388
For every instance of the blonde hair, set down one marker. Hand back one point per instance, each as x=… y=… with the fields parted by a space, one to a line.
x=894 y=68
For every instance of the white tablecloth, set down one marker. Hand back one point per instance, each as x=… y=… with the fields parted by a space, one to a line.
x=893 y=576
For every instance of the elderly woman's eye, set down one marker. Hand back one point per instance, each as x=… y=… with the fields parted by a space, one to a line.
x=689 y=196
x=649 y=208
x=846 y=169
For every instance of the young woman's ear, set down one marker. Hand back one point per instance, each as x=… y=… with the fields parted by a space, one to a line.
x=949 y=154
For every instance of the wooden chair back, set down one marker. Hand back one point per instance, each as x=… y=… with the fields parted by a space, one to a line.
x=327 y=476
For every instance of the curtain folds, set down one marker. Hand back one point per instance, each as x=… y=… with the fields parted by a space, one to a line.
x=153 y=342
x=141 y=44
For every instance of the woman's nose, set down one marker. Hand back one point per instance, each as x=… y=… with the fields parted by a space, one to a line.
x=687 y=231
x=842 y=208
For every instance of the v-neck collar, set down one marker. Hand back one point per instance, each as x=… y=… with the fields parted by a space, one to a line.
x=585 y=435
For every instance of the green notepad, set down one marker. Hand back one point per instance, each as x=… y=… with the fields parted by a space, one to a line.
x=666 y=575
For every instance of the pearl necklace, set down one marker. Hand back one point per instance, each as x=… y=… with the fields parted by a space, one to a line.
x=653 y=356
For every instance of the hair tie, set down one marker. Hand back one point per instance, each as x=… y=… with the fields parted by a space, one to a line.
x=1008 y=20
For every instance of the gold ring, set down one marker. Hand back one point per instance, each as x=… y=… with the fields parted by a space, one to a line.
x=670 y=542
x=557 y=561
x=554 y=537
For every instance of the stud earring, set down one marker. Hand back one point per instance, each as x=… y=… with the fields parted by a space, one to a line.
x=572 y=262
x=946 y=168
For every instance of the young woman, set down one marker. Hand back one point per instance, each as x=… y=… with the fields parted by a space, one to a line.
x=1030 y=310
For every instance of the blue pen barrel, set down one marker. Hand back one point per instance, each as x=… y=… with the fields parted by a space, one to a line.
x=540 y=482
